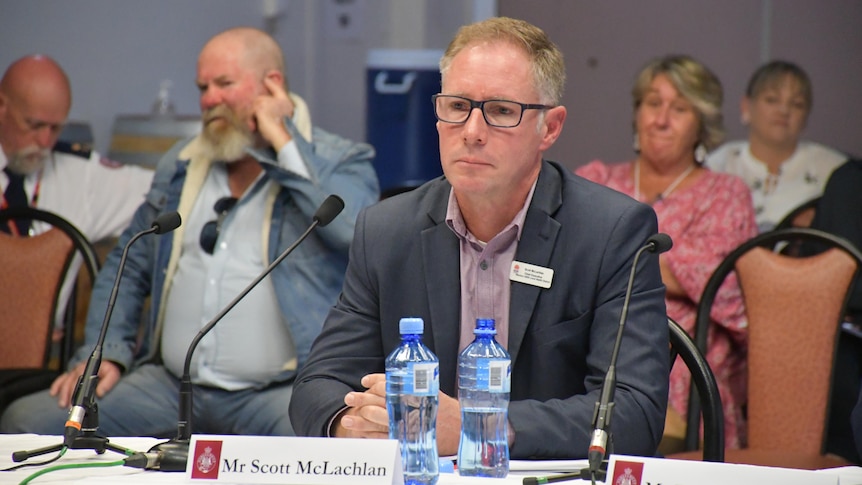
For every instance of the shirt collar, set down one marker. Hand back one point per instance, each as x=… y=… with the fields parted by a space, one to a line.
x=456 y=223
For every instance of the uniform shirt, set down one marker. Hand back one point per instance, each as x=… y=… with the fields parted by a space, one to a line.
x=95 y=195
x=801 y=177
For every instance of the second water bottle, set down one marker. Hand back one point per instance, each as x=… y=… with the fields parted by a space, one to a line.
x=484 y=377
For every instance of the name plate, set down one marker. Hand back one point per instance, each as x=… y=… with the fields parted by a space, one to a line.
x=289 y=461
x=631 y=470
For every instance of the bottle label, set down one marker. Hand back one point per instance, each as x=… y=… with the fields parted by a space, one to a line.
x=495 y=375
x=425 y=377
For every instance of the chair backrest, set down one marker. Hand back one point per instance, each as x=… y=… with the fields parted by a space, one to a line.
x=34 y=269
x=800 y=216
x=794 y=307
x=703 y=380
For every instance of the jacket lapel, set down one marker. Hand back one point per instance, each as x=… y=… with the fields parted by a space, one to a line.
x=443 y=284
x=538 y=239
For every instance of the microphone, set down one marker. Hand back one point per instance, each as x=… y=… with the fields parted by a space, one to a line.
x=172 y=455
x=658 y=244
x=84 y=395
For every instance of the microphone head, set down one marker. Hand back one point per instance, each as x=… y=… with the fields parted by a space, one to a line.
x=660 y=242
x=166 y=222
x=328 y=210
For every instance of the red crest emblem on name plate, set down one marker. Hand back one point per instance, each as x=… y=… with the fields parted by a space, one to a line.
x=206 y=459
x=627 y=473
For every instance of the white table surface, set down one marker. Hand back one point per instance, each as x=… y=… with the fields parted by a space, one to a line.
x=131 y=476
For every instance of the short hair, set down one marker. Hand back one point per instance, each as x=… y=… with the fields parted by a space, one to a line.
x=549 y=70
x=772 y=74
x=696 y=83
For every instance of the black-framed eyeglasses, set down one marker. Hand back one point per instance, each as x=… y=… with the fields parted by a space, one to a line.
x=211 y=230
x=501 y=113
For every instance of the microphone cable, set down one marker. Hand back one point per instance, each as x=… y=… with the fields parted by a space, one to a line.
x=130 y=460
x=68 y=466
x=40 y=463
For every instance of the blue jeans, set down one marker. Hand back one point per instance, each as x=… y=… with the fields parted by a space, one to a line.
x=145 y=403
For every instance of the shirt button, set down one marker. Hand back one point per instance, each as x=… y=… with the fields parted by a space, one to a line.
x=483 y=265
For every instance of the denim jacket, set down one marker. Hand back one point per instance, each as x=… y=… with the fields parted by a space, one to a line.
x=307 y=282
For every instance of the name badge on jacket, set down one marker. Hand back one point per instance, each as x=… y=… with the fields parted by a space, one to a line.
x=531 y=274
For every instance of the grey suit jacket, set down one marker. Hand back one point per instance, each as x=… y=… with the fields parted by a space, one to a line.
x=404 y=261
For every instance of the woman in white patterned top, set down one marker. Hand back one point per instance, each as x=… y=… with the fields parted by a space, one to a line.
x=781 y=170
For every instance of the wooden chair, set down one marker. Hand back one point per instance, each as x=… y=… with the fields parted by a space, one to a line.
x=34 y=269
x=703 y=380
x=794 y=307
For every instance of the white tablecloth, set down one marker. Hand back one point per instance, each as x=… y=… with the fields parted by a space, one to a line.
x=131 y=476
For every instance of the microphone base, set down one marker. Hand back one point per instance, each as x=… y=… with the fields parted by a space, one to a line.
x=601 y=474
x=99 y=444
x=582 y=474
x=173 y=455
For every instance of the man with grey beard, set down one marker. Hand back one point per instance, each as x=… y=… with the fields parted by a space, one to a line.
x=98 y=198
x=246 y=188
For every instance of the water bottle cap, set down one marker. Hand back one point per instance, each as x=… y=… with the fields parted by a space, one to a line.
x=485 y=326
x=413 y=326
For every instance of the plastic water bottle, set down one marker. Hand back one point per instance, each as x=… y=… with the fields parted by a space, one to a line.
x=163 y=106
x=412 y=383
x=484 y=382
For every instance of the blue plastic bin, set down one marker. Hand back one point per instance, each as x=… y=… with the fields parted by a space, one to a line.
x=400 y=117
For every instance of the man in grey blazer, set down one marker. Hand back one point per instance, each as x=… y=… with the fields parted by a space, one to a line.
x=456 y=249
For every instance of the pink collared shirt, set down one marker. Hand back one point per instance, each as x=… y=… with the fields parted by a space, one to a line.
x=485 y=268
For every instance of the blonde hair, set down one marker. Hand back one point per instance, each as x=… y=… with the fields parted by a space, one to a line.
x=549 y=70
x=696 y=83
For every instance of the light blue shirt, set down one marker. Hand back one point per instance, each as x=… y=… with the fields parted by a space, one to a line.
x=251 y=345
x=306 y=284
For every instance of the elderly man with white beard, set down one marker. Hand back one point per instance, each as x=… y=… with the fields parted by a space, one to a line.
x=246 y=188
x=97 y=196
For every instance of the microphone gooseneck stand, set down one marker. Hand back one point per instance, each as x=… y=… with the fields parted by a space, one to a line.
x=172 y=455
x=604 y=409
x=597 y=470
x=83 y=422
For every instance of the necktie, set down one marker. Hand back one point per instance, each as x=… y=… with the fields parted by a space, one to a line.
x=16 y=197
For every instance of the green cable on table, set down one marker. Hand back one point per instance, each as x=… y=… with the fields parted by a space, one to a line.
x=95 y=464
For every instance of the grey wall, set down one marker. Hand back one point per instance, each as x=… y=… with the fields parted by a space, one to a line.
x=607 y=42
x=118 y=51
